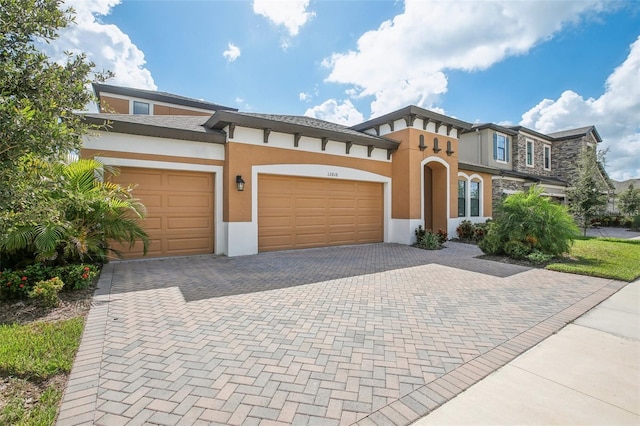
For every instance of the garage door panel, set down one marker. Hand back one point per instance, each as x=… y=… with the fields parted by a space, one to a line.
x=152 y=200
x=342 y=203
x=309 y=202
x=318 y=212
x=188 y=201
x=179 y=206
x=179 y=182
x=188 y=223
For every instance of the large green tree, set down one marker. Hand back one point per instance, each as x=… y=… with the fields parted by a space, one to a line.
x=38 y=96
x=629 y=201
x=588 y=193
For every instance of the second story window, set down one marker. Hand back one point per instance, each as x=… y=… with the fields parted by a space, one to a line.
x=140 y=108
x=500 y=148
x=547 y=157
x=529 y=153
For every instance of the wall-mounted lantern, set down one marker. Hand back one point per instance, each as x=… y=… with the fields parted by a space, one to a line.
x=239 y=183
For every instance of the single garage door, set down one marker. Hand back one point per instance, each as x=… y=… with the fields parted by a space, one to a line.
x=297 y=212
x=179 y=210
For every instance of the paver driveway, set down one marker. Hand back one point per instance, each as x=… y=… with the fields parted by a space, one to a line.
x=372 y=334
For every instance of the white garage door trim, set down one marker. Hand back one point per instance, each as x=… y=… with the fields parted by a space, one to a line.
x=219 y=245
x=243 y=236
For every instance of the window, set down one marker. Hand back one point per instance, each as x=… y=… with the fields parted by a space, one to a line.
x=529 y=153
x=462 y=197
x=140 y=108
x=474 y=189
x=500 y=147
x=547 y=157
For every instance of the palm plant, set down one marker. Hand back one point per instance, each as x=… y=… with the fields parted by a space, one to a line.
x=86 y=214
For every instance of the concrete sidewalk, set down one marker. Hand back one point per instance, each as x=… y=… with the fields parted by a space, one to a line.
x=588 y=373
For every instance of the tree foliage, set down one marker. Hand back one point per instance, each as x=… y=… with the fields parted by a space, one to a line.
x=83 y=215
x=588 y=192
x=528 y=222
x=629 y=201
x=38 y=96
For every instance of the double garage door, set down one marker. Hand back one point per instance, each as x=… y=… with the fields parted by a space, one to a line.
x=293 y=212
x=298 y=212
x=179 y=210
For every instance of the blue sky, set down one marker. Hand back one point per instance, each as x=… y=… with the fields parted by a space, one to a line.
x=547 y=65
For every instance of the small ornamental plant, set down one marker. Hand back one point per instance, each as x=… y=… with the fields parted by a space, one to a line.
x=13 y=284
x=47 y=291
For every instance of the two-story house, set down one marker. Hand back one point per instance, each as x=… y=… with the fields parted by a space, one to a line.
x=524 y=157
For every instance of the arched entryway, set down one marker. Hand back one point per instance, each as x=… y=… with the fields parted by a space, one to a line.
x=435 y=193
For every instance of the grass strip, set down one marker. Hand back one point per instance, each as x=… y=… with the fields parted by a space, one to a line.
x=39 y=350
x=603 y=257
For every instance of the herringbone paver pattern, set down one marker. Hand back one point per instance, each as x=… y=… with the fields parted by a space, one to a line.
x=375 y=334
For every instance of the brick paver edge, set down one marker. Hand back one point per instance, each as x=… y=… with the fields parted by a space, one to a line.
x=446 y=387
x=84 y=380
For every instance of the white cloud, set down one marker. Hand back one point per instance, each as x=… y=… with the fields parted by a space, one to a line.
x=342 y=113
x=291 y=14
x=304 y=97
x=463 y=35
x=106 y=45
x=615 y=114
x=232 y=53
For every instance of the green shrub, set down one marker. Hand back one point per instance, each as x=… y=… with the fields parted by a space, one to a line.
x=19 y=283
x=77 y=277
x=465 y=230
x=491 y=243
x=429 y=241
x=47 y=291
x=516 y=249
x=635 y=223
x=442 y=235
x=539 y=257
x=530 y=221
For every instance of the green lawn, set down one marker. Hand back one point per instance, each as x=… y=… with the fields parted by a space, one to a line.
x=31 y=356
x=603 y=257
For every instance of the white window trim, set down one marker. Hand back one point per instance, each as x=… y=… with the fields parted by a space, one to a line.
x=506 y=148
x=544 y=154
x=133 y=101
x=467 y=195
x=533 y=152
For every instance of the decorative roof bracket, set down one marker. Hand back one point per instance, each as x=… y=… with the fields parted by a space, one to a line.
x=409 y=119
x=266 y=135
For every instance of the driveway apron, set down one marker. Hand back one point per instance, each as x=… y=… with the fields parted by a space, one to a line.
x=370 y=334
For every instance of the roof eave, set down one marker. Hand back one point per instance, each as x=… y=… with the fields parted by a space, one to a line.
x=221 y=119
x=115 y=126
x=160 y=97
x=414 y=112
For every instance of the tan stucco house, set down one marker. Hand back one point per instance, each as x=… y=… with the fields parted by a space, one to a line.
x=217 y=180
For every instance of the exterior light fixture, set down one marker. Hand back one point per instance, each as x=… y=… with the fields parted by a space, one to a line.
x=239 y=183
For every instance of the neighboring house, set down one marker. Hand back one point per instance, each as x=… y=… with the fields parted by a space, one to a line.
x=525 y=157
x=217 y=180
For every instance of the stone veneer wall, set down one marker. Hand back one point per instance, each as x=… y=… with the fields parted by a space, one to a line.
x=564 y=157
x=520 y=156
x=499 y=185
